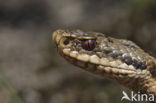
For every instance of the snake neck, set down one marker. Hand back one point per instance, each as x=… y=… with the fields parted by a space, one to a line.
x=143 y=85
x=150 y=86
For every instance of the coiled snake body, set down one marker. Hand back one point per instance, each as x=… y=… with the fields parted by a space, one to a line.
x=117 y=59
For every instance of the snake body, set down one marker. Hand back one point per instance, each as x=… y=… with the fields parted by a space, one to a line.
x=116 y=59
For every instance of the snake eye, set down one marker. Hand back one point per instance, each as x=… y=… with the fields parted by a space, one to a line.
x=89 y=44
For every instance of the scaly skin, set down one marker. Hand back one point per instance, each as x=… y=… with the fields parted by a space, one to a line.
x=116 y=59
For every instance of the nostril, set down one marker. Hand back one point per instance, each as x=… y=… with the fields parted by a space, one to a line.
x=66 y=42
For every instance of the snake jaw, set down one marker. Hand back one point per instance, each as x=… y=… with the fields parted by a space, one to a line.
x=92 y=63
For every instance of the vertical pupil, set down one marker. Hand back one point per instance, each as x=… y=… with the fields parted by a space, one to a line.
x=88 y=44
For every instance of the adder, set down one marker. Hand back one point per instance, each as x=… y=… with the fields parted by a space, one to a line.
x=116 y=59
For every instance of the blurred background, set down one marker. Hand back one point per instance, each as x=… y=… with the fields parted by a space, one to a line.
x=31 y=71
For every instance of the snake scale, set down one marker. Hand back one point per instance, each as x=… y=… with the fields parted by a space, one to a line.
x=116 y=59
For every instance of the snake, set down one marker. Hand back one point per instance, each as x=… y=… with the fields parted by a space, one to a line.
x=119 y=60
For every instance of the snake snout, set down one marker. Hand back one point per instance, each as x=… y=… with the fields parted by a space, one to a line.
x=56 y=36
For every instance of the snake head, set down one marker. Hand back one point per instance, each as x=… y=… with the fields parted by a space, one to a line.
x=99 y=54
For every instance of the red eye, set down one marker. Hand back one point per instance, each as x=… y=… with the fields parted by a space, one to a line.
x=88 y=44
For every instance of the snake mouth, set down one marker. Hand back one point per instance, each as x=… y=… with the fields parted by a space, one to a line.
x=91 y=63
